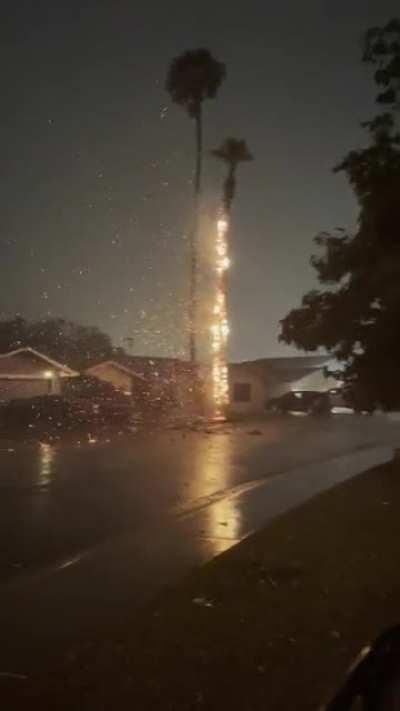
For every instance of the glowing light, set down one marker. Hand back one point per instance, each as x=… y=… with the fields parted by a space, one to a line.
x=48 y=374
x=222 y=226
x=46 y=461
x=225 y=329
x=220 y=327
x=221 y=250
x=224 y=264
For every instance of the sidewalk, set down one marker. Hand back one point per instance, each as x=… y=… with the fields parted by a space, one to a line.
x=271 y=624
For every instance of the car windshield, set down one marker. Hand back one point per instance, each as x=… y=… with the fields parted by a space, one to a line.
x=199 y=355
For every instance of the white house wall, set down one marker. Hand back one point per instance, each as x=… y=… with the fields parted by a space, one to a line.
x=262 y=391
x=315 y=381
x=15 y=389
x=256 y=405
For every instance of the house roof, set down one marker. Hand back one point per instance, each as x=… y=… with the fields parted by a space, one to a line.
x=151 y=366
x=296 y=362
x=16 y=364
x=118 y=366
x=283 y=370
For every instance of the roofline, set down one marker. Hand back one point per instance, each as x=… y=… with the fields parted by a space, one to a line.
x=116 y=365
x=49 y=360
x=18 y=376
x=267 y=359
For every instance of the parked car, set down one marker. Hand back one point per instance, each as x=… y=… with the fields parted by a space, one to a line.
x=308 y=402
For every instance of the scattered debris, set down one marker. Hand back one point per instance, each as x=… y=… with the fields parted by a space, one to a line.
x=202 y=602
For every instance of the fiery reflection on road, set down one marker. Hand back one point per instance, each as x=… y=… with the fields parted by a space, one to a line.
x=46 y=461
x=210 y=486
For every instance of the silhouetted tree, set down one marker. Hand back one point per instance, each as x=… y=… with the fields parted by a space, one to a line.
x=382 y=49
x=70 y=343
x=232 y=151
x=193 y=77
x=357 y=316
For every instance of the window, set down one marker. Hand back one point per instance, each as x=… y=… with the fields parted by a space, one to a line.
x=242 y=392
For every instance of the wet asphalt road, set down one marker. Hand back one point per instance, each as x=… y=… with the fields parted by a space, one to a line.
x=58 y=501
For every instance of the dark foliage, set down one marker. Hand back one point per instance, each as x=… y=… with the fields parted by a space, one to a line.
x=357 y=317
x=193 y=77
x=87 y=387
x=69 y=343
x=382 y=50
x=232 y=152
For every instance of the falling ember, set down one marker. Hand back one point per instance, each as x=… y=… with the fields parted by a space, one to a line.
x=220 y=326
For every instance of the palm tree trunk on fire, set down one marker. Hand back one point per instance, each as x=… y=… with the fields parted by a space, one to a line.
x=232 y=152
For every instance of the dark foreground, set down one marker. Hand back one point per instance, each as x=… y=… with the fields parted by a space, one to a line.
x=271 y=624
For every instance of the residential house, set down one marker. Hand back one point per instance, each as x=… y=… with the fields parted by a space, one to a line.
x=253 y=383
x=120 y=376
x=164 y=381
x=26 y=373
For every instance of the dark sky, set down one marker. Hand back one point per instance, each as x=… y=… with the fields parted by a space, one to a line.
x=96 y=163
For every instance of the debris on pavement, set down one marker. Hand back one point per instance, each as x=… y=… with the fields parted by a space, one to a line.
x=202 y=602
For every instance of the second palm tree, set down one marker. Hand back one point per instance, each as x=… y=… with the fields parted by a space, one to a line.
x=232 y=152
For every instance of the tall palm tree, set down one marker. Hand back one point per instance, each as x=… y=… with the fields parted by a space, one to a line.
x=232 y=151
x=193 y=77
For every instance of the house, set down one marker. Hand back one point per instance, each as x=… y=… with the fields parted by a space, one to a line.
x=26 y=373
x=121 y=376
x=167 y=381
x=248 y=386
x=253 y=383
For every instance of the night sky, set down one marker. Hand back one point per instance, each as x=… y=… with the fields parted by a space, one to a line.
x=97 y=164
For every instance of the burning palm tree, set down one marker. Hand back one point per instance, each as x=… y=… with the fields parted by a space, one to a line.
x=232 y=152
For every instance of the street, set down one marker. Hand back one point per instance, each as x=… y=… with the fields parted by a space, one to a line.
x=90 y=532
x=58 y=502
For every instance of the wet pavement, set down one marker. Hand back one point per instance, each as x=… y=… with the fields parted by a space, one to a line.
x=57 y=501
x=89 y=529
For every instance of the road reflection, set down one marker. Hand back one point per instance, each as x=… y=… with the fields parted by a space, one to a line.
x=47 y=454
x=209 y=488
